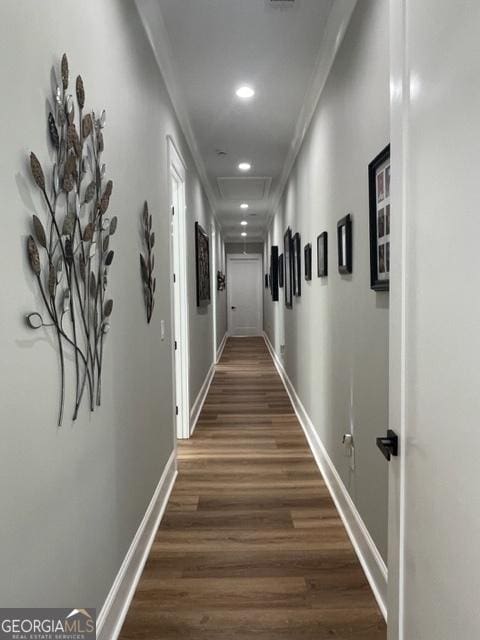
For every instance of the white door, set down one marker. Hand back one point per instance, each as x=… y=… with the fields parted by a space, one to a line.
x=244 y=295
x=434 y=523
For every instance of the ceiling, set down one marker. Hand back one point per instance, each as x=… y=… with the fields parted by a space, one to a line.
x=215 y=46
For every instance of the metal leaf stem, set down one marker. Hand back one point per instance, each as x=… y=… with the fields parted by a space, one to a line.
x=73 y=278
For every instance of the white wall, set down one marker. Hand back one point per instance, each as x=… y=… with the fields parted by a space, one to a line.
x=200 y=318
x=436 y=123
x=336 y=335
x=72 y=499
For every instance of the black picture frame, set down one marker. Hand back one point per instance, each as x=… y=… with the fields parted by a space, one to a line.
x=379 y=206
x=322 y=255
x=297 y=265
x=267 y=281
x=202 y=265
x=274 y=272
x=307 y=261
x=288 y=271
x=280 y=270
x=344 y=242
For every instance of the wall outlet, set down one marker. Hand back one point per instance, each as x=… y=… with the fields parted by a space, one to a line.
x=349 y=445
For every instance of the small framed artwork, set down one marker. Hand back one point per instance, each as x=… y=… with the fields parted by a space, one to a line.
x=280 y=270
x=202 y=259
x=379 y=200
x=297 y=265
x=307 y=259
x=322 y=255
x=287 y=263
x=344 y=240
x=274 y=273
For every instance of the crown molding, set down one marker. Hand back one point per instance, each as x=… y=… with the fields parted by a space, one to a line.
x=335 y=28
x=157 y=35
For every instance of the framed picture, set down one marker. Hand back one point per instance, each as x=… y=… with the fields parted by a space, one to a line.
x=274 y=273
x=202 y=258
x=297 y=266
x=379 y=197
x=287 y=263
x=280 y=270
x=307 y=253
x=344 y=239
x=322 y=255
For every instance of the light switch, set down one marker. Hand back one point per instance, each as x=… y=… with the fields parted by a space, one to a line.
x=162 y=330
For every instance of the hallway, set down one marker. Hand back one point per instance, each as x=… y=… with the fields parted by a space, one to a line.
x=251 y=545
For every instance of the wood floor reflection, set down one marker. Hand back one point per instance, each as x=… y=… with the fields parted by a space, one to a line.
x=251 y=545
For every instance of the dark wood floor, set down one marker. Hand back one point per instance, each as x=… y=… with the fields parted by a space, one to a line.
x=251 y=546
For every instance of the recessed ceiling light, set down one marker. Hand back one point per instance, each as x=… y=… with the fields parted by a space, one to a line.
x=244 y=205
x=245 y=92
x=244 y=233
x=244 y=166
x=244 y=223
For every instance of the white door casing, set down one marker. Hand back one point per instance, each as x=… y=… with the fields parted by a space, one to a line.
x=179 y=289
x=245 y=295
x=213 y=286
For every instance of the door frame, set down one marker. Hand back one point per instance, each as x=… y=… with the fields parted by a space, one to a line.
x=399 y=277
x=236 y=257
x=213 y=286
x=176 y=170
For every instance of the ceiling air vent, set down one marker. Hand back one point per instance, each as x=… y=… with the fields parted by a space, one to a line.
x=280 y=4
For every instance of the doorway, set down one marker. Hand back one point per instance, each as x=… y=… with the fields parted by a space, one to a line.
x=244 y=295
x=179 y=322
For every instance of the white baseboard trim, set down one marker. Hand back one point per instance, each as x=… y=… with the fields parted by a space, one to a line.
x=372 y=562
x=202 y=394
x=200 y=399
x=117 y=603
x=222 y=346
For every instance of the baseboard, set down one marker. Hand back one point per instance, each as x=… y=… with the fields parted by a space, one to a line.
x=117 y=603
x=222 y=346
x=372 y=562
x=200 y=399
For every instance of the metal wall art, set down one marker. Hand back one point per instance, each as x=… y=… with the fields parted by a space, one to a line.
x=69 y=252
x=147 y=263
x=221 y=281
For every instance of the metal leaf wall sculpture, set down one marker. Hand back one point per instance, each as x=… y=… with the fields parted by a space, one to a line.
x=69 y=253
x=147 y=262
x=221 y=281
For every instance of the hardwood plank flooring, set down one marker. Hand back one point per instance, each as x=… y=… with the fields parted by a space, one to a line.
x=251 y=546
